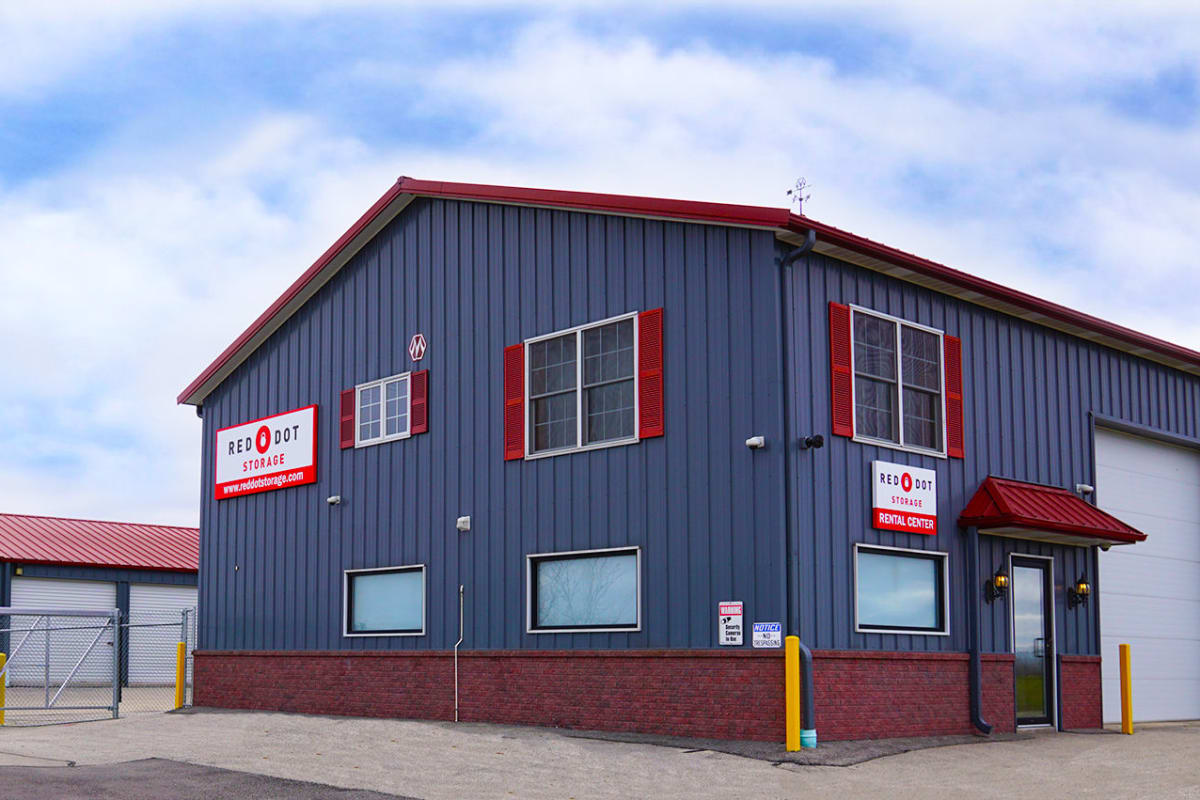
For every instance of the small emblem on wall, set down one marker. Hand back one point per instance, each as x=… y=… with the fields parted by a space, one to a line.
x=416 y=348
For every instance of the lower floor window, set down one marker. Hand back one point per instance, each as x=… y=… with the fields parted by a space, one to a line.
x=902 y=591
x=385 y=602
x=590 y=590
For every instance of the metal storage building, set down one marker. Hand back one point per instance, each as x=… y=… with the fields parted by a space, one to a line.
x=615 y=422
x=142 y=570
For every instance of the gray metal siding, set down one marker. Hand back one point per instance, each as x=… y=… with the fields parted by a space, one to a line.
x=706 y=511
x=1028 y=392
x=108 y=574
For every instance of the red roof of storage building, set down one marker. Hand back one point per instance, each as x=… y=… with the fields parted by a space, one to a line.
x=1046 y=513
x=787 y=226
x=84 y=542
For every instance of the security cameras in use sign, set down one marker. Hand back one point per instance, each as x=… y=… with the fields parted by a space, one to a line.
x=905 y=498
x=266 y=454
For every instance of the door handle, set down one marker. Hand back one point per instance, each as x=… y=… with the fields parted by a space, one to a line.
x=1039 y=647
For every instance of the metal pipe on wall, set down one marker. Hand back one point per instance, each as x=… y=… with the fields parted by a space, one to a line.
x=975 y=677
x=456 y=644
x=791 y=556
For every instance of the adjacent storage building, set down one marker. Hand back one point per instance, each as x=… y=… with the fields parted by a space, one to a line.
x=611 y=449
x=148 y=572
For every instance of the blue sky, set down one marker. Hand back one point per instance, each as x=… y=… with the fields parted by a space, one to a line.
x=167 y=168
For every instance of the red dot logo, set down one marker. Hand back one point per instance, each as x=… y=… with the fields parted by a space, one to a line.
x=906 y=482
x=263 y=440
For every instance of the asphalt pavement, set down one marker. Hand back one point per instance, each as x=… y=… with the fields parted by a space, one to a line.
x=263 y=755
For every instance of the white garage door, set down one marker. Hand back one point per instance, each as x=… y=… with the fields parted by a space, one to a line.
x=155 y=614
x=66 y=646
x=1150 y=592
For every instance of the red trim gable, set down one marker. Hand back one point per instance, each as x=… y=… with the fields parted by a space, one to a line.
x=779 y=220
x=1008 y=504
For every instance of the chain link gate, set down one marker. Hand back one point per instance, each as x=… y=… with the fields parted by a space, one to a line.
x=60 y=666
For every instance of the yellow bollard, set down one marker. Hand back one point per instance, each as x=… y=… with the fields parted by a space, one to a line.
x=3 y=682
x=180 y=672
x=791 y=683
x=1126 y=692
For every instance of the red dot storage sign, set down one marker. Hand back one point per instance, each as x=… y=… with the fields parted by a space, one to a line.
x=265 y=454
x=905 y=498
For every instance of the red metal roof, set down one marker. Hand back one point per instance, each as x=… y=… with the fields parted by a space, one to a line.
x=84 y=542
x=779 y=219
x=1001 y=503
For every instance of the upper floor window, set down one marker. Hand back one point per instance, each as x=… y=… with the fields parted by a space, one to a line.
x=582 y=387
x=897 y=381
x=384 y=409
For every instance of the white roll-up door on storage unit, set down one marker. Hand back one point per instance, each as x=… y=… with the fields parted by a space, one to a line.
x=1150 y=592
x=66 y=646
x=155 y=614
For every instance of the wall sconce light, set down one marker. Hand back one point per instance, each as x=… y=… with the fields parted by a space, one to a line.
x=996 y=585
x=1077 y=595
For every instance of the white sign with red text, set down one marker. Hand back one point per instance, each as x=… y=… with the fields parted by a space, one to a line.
x=266 y=454
x=905 y=498
x=729 y=622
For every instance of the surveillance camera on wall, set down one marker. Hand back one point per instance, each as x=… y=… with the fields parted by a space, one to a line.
x=334 y=500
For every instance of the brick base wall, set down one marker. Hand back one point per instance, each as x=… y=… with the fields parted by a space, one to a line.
x=701 y=693
x=1080 y=690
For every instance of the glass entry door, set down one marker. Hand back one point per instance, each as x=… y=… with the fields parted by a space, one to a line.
x=1033 y=639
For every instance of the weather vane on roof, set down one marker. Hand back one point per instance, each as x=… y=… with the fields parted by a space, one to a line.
x=800 y=194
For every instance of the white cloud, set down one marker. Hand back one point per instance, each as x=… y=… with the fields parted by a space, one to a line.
x=126 y=273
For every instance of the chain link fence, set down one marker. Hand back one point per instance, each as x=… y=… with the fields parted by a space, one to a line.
x=72 y=666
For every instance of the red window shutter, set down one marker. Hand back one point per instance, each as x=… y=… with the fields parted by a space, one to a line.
x=954 y=396
x=842 y=378
x=346 y=426
x=419 y=400
x=651 y=416
x=514 y=402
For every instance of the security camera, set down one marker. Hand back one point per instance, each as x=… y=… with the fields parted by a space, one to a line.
x=1084 y=489
x=756 y=442
x=813 y=442
x=334 y=500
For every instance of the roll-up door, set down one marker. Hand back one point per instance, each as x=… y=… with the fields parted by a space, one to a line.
x=155 y=616
x=1150 y=592
x=68 y=638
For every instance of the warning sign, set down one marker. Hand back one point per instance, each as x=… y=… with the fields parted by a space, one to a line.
x=767 y=634
x=729 y=622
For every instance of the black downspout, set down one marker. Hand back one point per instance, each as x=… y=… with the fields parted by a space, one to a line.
x=976 y=667
x=790 y=552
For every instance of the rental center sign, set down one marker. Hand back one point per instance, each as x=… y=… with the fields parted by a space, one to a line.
x=266 y=454
x=905 y=498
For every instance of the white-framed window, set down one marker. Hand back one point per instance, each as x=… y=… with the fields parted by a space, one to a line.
x=899 y=392
x=383 y=410
x=384 y=601
x=584 y=591
x=581 y=387
x=897 y=590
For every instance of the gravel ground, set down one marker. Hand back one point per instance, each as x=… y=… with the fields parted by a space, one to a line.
x=435 y=760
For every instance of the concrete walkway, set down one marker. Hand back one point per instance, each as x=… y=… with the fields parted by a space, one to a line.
x=441 y=760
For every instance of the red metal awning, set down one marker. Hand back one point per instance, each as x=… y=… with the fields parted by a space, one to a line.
x=1004 y=507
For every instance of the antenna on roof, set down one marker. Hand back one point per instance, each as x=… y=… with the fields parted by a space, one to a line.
x=800 y=194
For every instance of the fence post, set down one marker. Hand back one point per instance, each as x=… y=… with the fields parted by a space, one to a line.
x=115 y=621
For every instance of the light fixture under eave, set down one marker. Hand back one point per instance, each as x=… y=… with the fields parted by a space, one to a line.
x=996 y=585
x=1078 y=594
